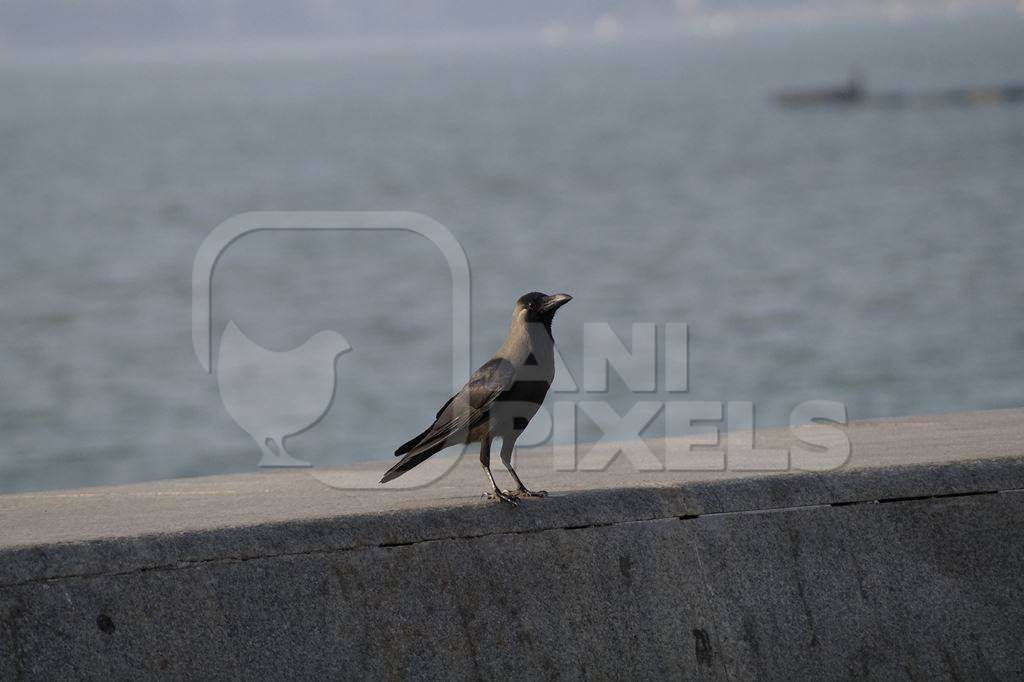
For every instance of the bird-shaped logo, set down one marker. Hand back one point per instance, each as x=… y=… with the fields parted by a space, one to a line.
x=275 y=395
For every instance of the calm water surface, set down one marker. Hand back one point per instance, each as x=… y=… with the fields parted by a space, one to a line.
x=872 y=257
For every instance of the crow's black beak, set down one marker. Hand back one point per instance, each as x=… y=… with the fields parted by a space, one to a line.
x=554 y=302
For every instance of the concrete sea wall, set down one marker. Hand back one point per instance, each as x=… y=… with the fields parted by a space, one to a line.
x=904 y=564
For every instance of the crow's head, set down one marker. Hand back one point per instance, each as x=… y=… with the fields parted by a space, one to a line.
x=536 y=307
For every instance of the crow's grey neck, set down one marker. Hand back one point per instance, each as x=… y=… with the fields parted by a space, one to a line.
x=526 y=339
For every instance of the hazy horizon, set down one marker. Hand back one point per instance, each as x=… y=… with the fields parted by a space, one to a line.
x=117 y=24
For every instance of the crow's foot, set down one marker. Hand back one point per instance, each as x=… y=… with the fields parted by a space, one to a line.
x=499 y=496
x=524 y=492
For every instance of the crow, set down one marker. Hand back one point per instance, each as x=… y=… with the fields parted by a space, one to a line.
x=500 y=398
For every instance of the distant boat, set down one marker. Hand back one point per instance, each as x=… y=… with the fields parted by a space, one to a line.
x=854 y=94
x=850 y=94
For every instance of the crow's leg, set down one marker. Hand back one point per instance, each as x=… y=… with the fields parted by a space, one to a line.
x=485 y=461
x=507 y=446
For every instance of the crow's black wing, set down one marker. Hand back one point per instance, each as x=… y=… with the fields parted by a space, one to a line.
x=468 y=407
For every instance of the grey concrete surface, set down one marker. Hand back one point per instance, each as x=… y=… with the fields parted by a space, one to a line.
x=903 y=564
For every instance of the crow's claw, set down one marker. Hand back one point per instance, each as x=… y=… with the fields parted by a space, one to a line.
x=523 y=492
x=497 y=495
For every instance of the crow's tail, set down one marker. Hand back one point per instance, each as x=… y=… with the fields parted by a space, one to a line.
x=413 y=442
x=410 y=460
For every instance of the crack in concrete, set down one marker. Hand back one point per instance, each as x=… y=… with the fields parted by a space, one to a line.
x=193 y=563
